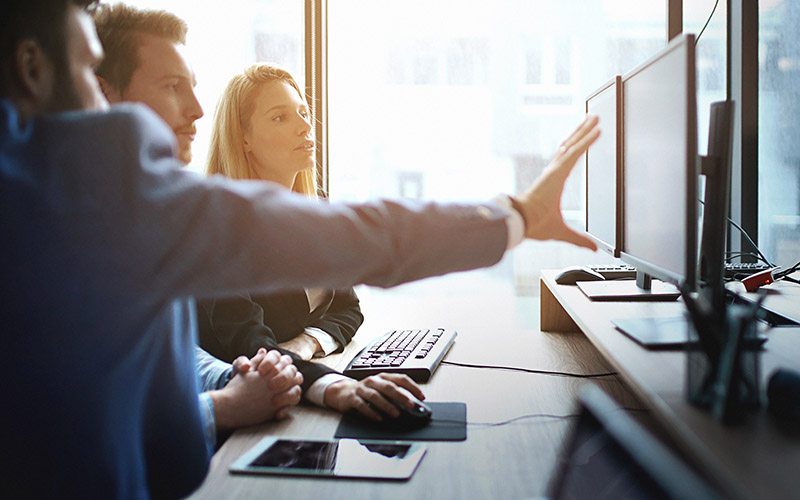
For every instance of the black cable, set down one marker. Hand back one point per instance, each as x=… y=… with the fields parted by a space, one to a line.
x=524 y=417
x=707 y=21
x=531 y=370
x=737 y=226
x=786 y=272
x=790 y=270
x=751 y=242
x=511 y=421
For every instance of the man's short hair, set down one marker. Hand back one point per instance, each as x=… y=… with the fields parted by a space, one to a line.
x=43 y=21
x=120 y=28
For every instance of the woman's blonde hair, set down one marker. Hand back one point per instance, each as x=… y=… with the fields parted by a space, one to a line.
x=226 y=154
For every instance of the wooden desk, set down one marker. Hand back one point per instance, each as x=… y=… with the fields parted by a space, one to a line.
x=753 y=460
x=510 y=461
x=783 y=297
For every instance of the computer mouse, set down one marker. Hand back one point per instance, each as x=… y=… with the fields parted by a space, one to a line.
x=573 y=274
x=410 y=418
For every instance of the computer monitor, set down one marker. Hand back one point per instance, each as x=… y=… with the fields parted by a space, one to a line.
x=716 y=168
x=659 y=177
x=673 y=332
x=603 y=169
x=659 y=137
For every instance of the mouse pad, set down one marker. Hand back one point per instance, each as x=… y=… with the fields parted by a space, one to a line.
x=448 y=423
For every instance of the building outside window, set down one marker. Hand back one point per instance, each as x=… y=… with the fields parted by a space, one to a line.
x=779 y=133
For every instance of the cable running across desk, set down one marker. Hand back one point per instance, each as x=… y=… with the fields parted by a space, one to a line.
x=531 y=370
x=526 y=417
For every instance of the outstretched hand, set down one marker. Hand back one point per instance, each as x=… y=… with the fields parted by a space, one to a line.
x=541 y=202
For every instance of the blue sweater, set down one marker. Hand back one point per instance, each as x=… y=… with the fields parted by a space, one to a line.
x=103 y=239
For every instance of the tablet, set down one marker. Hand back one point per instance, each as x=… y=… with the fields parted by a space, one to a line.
x=328 y=458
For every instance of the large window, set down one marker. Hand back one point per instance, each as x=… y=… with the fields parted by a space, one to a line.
x=779 y=132
x=461 y=100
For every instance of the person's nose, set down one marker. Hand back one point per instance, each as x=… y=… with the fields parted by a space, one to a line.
x=194 y=110
x=305 y=127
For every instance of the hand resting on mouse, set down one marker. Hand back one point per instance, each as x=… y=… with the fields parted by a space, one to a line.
x=377 y=398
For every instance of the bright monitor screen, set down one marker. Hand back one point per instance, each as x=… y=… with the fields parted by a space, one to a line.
x=603 y=164
x=660 y=164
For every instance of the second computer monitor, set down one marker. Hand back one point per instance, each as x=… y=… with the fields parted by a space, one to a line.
x=659 y=143
x=603 y=170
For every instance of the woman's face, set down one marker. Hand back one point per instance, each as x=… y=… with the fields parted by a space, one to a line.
x=278 y=141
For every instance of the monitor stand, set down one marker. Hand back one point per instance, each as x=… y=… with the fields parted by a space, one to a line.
x=644 y=288
x=670 y=332
x=666 y=333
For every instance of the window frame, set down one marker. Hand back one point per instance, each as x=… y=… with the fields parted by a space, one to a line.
x=742 y=89
x=316 y=83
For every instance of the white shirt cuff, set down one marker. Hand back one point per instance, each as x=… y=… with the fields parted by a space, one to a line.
x=316 y=392
x=514 y=222
x=325 y=339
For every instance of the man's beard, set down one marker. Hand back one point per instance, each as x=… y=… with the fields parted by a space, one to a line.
x=64 y=97
x=185 y=155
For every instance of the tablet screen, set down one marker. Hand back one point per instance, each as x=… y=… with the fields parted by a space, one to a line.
x=331 y=458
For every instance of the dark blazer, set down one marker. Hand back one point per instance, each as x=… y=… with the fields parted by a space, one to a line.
x=240 y=325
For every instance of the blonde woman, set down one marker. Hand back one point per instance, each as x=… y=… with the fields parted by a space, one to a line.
x=262 y=130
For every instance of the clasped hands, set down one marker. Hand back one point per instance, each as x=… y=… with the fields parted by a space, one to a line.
x=262 y=388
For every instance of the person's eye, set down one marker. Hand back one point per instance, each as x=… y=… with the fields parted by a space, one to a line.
x=279 y=118
x=304 y=114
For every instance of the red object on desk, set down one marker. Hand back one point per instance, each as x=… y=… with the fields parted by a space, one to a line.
x=756 y=281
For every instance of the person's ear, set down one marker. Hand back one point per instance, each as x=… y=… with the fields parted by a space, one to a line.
x=35 y=73
x=246 y=143
x=111 y=92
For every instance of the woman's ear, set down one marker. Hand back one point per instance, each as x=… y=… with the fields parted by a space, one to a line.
x=246 y=143
x=35 y=74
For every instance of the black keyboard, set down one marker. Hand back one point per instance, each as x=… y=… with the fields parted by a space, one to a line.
x=733 y=270
x=416 y=353
x=739 y=270
x=615 y=271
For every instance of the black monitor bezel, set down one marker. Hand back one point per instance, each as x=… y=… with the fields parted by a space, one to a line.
x=682 y=42
x=716 y=167
x=614 y=247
